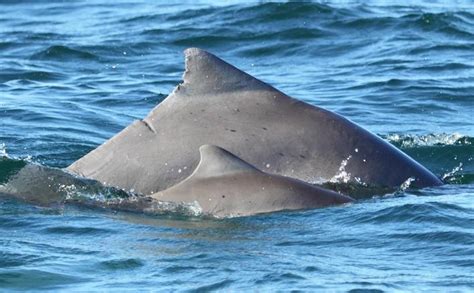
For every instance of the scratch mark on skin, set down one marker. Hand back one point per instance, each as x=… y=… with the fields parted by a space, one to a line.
x=149 y=126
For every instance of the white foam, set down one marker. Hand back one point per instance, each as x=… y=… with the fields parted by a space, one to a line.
x=3 y=150
x=342 y=176
x=408 y=140
x=453 y=172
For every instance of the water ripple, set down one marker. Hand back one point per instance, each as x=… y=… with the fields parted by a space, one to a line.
x=63 y=53
x=74 y=73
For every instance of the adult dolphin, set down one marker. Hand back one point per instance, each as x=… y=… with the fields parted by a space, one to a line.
x=219 y=104
x=224 y=185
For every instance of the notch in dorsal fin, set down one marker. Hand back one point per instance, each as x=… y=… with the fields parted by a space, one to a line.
x=216 y=161
x=208 y=74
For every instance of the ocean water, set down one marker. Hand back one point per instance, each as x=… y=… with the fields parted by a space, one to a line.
x=74 y=73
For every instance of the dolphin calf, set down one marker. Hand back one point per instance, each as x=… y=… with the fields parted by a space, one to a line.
x=219 y=104
x=224 y=185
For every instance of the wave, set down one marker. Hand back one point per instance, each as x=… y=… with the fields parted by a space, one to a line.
x=29 y=75
x=316 y=29
x=441 y=139
x=446 y=22
x=427 y=213
x=448 y=155
x=61 y=53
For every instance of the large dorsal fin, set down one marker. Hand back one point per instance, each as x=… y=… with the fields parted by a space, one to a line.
x=205 y=74
x=216 y=161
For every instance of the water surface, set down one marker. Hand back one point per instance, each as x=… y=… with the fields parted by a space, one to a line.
x=74 y=73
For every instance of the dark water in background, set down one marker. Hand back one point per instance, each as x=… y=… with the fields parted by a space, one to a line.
x=74 y=73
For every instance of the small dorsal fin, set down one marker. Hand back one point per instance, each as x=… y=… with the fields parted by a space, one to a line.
x=216 y=161
x=205 y=73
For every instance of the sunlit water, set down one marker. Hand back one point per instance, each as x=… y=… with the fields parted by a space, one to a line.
x=74 y=73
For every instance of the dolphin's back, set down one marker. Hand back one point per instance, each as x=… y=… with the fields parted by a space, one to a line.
x=221 y=105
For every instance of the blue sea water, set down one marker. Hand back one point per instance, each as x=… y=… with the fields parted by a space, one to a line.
x=74 y=73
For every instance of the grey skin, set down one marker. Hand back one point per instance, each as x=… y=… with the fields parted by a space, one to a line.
x=223 y=185
x=220 y=105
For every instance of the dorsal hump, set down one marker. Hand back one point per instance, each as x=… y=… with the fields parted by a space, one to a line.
x=216 y=161
x=207 y=74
